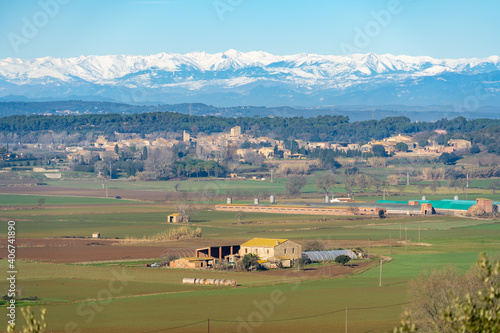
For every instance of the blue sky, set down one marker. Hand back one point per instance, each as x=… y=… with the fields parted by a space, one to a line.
x=441 y=29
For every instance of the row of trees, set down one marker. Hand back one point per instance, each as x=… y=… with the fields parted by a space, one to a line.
x=352 y=180
x=154 y=164
x=321 y=128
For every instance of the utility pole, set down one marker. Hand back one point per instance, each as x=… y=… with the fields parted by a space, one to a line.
x=467 y=187
x=384 y=193
x=390 y=243
x=346 y=319
x=407 y=178
x=406 y=238
x=380 y=280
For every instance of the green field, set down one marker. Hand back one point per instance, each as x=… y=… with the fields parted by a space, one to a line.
x=16 y=200
x=84 y=295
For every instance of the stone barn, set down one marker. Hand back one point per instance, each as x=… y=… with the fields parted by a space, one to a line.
x=485 y=204
x=174 y=218
x=192 y=263
x=482 y=206
x=427 y=209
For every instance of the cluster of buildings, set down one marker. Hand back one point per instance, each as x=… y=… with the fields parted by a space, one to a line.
x=414 y=149
x=246 y=146
x=381 y=208
x=104 y=148
x=272 y=253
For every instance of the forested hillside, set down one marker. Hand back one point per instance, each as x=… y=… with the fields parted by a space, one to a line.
x=321 y=128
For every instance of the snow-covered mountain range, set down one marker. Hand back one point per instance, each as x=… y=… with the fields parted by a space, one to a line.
x=257 y=78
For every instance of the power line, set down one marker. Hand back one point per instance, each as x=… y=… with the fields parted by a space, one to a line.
x=278 y=320
x=176 y=327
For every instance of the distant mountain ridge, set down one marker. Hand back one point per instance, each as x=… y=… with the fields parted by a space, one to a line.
x=257 y=78
x=355 y=113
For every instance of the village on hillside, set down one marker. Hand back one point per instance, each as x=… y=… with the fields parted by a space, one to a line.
x=245 y=147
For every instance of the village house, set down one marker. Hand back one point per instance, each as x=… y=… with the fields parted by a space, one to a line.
x=100 y=142
x=236 y=132
x=266 y=152
x=459 y=144
x=80 y=156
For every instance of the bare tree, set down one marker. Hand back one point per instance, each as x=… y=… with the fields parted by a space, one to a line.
x=313 y=245
x=185 y=210
x=325 y=181
x=393 y=179
x=493 y=186
x=349 y=182
x=201 y=153
x=240 y=216
x=362 y=182
x=253 y=158
x=434 y=186
x=295 y=184
x=432 y=293
x=159 y=163
x=401 y=189
x=41 y=202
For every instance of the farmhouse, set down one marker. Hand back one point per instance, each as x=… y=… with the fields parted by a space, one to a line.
x=272 y=249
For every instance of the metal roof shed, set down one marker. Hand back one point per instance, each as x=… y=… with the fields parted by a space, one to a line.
x=327 y=255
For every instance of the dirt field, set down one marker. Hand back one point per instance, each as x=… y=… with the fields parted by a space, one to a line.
x=76 y=250
x=327 y=270
x=73 y=250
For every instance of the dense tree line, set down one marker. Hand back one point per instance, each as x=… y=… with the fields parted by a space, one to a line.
x=322 y=128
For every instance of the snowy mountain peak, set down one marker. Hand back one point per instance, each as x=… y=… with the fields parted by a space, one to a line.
x=250 y=74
